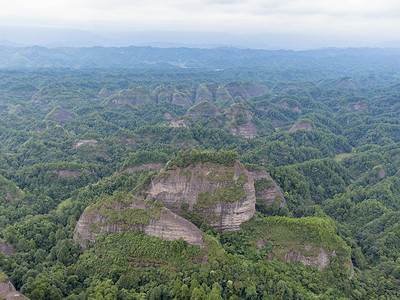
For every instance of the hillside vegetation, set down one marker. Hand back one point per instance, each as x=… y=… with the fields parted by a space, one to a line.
x=273 y=174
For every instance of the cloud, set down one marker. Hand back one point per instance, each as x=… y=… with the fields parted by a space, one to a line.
x=332 y=17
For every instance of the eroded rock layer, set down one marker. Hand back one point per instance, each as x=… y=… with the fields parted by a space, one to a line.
x=131 y=214
x=224 y=196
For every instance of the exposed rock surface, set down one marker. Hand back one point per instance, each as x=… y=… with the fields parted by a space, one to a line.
x=266 y=189
x=134 y=96
x=200 y=186
x=203 y=109
x=241 y=122
x=60 y=114
x=203 y=94
x=7 y=290
x=302 y=125
x=6 y=248
x=285 y=105
x=120 y=216
x=90 y=142
x=178 y=123
x=321 y=261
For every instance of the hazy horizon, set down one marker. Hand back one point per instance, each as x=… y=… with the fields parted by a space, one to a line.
x=270 y=24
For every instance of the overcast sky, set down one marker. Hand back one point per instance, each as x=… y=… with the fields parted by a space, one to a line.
x=370 y=19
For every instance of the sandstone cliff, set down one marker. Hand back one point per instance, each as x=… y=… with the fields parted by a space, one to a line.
x=320 y=261
x=116 y=215
x=7 y=290
x=6 y=248
x=221 y=195
x=311 y=241
x=266 y=189
x=241 y=122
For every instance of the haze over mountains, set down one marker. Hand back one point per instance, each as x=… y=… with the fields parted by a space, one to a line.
x=59 y=37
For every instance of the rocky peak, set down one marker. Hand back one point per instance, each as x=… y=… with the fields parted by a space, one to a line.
x=130 y=213
x=241 y=122
x=221 y=195
x=203 y=109
x=266 y=188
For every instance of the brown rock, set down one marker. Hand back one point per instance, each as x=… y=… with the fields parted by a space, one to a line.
x=269 y=194
x=175 y=187
x=165 y=224
x=321 y=261
x=6 y=248
x=7 y=290
x=247 y=129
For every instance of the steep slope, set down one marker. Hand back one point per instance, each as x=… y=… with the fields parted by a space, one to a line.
x=222 y=195
x=129 y=214
x=240 y=122
x=7 y=290
x=266 y=188
x=311 y=241
x=6 y=248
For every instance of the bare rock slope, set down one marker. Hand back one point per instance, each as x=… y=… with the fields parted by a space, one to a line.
x=6 y=248
x=116 y=215
x=7 y=290
x=223 y=196
x=266 y=189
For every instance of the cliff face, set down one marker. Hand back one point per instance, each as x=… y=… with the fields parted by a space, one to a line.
x=7 y=290
x=241 y=122
x=223 y=196
x=320 y=261
x=266 y=189
x=5 y=248
x=131 y=214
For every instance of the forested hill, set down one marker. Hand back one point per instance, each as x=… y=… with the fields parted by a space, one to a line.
x=276 y=180
x=346 y=61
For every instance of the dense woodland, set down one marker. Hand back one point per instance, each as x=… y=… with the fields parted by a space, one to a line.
x=329 y=136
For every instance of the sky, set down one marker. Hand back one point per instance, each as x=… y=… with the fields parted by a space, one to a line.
x=364 y=20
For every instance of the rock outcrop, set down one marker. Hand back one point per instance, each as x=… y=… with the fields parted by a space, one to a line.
x=136 y=96
x=223 y=196
x=241 y=122
x=178 y=123
x=204 y=109
x=90 y=142
x=7 y=290
x=301 y=125
x=6 y=248
x=60 y=115
x=266 y=189
x=131 y=214
x=321 y=261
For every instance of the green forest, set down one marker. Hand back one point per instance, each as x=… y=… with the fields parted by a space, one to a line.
x=78 y=138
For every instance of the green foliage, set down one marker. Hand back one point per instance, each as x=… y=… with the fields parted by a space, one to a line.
x=49 y=176
x=193 y=157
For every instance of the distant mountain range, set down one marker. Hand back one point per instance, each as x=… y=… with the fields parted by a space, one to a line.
x=346 y=61
x=56 y=37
